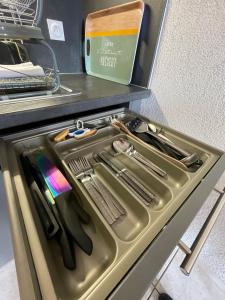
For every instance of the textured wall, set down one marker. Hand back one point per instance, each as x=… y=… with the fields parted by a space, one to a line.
x=189 y=81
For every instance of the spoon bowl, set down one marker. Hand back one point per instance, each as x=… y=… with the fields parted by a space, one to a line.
x=124 y=146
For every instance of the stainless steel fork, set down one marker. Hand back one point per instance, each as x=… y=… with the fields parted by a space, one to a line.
x=113 y=204
x=104 y=200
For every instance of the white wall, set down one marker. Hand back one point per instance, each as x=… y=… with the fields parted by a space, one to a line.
x=189 y=81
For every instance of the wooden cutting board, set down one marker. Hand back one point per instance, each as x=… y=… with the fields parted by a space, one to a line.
x=111 y=38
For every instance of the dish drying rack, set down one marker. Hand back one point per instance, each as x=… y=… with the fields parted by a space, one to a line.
x=19 y=20
x=23 y=12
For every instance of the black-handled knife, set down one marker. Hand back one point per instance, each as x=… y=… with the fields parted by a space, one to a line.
x=66 y=243
x=70 y=212
x=41 y=203
x=46 y=216
x=72 y=222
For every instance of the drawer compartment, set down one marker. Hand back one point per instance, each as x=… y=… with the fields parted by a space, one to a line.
x=68 y=146
x=89 y=268
x=176 y=175
x=116 y=247
x=136 y=217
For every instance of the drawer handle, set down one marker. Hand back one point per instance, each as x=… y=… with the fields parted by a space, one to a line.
x=192 y=255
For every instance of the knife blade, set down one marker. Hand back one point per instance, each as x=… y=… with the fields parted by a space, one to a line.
x=136 y=185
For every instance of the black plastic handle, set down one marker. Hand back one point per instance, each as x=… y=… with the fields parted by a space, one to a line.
x=46 y=216
x=45 y=220
x=67 y=250
x=64 y=203
x=66 y=244
x=84 y=216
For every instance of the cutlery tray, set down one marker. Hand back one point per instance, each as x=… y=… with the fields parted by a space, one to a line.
x=117 y=246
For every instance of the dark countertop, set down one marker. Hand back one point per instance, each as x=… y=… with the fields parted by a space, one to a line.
x=89 y=93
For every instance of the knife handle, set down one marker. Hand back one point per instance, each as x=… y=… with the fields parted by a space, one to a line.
x=147 y=196
x=67 y=250
x=129 y=182
x=169 y=144
x=84 y=216
x=116 y=209
x=138 y=187
x=149 y=164
x=66 y=245
x=99 y=202
x=104 y=157
x=50 y=218
x=45 y=214
x=48 y=226
x=72 y=223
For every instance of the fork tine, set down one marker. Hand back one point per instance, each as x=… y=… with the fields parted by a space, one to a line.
x=83 y=163
x=79 y=165
x=86 y=162
x=76 y=166
x=73 y=166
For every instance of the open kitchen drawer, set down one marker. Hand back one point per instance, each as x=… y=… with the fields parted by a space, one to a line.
x=140 y=241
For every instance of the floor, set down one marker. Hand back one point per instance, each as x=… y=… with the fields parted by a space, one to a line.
x=206 y=281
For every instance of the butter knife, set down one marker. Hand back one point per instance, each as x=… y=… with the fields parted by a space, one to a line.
x=128 y=178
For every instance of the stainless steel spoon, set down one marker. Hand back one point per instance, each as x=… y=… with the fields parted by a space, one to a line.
x=124 y=146
x=189 y=159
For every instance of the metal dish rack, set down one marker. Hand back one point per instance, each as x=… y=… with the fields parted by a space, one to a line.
x=23 y=12
x=19 y=20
